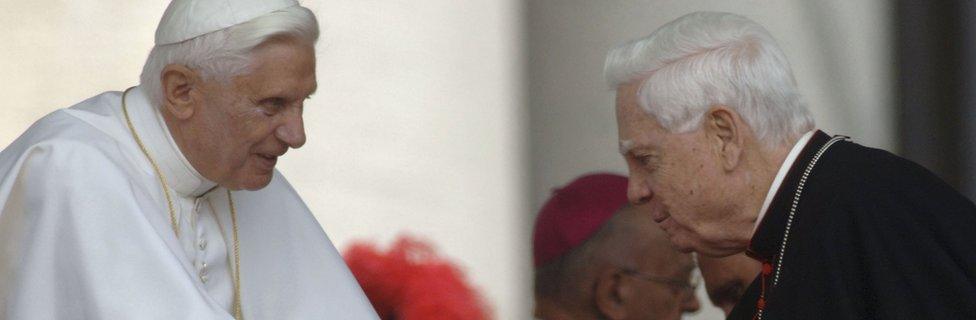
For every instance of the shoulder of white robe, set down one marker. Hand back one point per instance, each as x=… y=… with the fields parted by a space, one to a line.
x=74 y=232
x=297 y=263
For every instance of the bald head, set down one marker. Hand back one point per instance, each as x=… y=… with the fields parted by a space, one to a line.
x=618 y=273
x=629 y=239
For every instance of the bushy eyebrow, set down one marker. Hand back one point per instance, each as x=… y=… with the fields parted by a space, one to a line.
x=625 y=146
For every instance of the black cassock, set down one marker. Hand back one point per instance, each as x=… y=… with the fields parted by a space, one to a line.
x=873 y=236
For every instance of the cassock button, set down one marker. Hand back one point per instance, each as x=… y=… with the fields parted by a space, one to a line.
x=203 y=274
x=202 y=244
x=767 y=268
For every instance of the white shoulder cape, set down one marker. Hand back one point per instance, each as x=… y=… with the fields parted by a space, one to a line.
x=84 y=234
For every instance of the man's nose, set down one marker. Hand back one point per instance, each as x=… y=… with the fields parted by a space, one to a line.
x=691 y=304
x=637 y=191
x=292 y=131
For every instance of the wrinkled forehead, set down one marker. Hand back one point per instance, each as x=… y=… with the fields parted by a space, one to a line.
x=282 y=68
x=666 y=260
x=626 y=97
x=677 y=267
x=637 y=130
x=629 y=111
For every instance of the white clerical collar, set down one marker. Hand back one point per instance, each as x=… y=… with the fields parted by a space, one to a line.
x=152 y=129
x=783 y=169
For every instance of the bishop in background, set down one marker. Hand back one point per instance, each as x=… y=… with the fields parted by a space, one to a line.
x=726 y=157
x=162 y=201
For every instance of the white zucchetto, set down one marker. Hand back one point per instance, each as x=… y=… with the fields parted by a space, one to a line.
x=188 y=19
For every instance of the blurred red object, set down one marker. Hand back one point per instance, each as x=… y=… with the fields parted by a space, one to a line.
x=410 y=282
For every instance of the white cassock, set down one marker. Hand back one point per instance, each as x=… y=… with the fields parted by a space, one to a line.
x=85 y=231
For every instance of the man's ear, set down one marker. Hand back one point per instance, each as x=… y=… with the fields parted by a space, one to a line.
x=724 y=129
x=611 y=293
x=179 y=83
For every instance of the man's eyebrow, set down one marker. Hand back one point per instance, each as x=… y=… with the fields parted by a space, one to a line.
x=625 y=146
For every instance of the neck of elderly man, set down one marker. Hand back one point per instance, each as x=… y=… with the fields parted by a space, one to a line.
x=705 y=187
x=232 y=130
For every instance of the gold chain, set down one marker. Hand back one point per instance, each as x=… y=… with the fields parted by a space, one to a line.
x=238 y=314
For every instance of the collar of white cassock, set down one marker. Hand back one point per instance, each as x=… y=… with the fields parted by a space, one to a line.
x=152 y=129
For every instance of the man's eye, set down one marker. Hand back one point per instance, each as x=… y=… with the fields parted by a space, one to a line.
x=273 y=105
x=277 y=102
x=644 y=160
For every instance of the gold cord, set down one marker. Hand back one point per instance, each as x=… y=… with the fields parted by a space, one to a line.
x=238 y=314
x=237 y=254
x=162 y=180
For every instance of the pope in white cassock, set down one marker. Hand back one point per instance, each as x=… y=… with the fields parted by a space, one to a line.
x=162 y=201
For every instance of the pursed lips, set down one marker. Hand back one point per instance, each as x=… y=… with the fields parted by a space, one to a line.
x=271 y=155
x=269 y=159
x=268 y=156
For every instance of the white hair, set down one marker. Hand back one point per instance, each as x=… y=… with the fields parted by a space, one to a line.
x=705 y=59
x=225 y=53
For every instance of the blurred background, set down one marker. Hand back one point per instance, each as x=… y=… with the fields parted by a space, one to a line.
x=453 y=120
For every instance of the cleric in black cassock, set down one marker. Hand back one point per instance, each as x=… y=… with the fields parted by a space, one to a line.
x=725 y=157
x=873 y=236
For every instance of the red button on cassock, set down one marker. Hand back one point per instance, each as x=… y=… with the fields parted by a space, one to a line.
x=767 y=268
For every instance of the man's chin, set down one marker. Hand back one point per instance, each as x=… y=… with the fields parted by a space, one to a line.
x=259 y=184
x=251 y=183
x=716 y=251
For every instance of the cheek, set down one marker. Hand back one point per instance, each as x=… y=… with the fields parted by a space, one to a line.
x=661 y=302
x=251 y=130
x=681 y=186
x=237 y=145
x=699 y=186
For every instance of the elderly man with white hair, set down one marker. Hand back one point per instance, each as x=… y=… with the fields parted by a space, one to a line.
x=726 y=157
x=162 y=201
